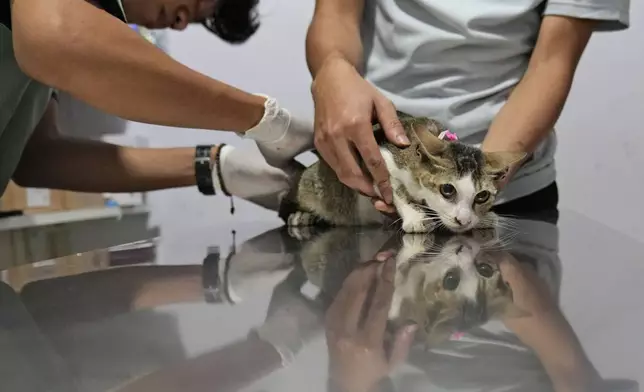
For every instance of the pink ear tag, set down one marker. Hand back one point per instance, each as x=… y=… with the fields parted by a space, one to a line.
x=457 y=335
x=447 y=135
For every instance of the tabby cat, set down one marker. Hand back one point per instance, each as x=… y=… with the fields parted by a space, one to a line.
x=436 y=182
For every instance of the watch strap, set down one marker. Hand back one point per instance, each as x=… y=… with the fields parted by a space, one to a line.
x=203 y=170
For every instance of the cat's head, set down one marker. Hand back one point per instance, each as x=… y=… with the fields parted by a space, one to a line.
x=457 y=181
x=452 y=286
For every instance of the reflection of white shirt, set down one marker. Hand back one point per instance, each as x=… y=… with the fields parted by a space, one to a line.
x=458 y=61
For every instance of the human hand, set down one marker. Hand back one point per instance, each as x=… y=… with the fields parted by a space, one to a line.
x=529 y=291
x=357 y=356
x=345 y=105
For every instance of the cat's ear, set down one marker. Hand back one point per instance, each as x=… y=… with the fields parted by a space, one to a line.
x=498 y=164
x=430 y=143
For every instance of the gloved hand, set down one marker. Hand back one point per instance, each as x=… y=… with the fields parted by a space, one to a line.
x=281 y=136
x=245 y=174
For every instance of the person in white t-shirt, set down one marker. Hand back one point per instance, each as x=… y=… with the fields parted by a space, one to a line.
x=496 y=72
x=87 y=49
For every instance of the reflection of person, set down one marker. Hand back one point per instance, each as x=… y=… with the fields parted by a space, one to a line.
x=495 y=72
x=74 y=46
x=50 y=323
x=546 y=331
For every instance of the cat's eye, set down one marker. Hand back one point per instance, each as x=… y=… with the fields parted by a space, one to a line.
x=485 y=270
x=451 y=280
x=447 y=190
x=482 y=197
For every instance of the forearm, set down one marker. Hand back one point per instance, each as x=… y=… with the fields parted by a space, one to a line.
x=532 y=109
x=91 y=166
x=558 y=349
x=218 y=370
x=103 y=294
x=335 y=31
x=108 y=65
x=536 y=103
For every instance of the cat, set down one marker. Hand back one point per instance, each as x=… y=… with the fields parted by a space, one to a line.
x=436 y=182
x=445 y=284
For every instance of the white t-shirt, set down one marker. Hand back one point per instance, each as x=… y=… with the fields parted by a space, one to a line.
x=457 y=61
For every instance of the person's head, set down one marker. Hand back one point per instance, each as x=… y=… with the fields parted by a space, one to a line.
x=234 y=21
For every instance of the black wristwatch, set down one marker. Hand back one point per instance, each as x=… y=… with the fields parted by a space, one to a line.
x=203 y=170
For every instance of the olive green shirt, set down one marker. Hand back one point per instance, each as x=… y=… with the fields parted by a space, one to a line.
x=22 y=104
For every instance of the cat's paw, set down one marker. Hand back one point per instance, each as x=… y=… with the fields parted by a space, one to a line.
x=413 y=221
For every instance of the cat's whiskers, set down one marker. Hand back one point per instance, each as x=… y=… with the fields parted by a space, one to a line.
x=395 y=222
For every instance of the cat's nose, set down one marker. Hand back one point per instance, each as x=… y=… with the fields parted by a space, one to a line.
x=461 y=222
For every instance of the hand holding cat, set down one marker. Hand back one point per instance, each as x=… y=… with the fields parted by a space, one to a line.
x=344 y=107
x=358 y=360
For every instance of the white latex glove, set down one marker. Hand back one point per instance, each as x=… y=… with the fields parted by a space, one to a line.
x=246 y=174
x=279 y=135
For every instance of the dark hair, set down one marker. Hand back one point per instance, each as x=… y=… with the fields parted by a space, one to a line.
x=234 y=21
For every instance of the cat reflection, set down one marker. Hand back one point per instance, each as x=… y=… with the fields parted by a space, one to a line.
x=446 y=284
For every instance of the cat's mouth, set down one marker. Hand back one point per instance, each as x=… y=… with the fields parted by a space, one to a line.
x=457 y=227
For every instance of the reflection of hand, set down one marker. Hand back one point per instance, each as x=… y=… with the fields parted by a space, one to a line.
x=529 y=291
x=357 y=357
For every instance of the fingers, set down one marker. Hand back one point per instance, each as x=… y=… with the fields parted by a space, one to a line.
x=383 y=207
x=388 y=119
x=337 y=153
x=385 y=255
x=350 y=172
x=402 y=344
x=353 y=295
x=376 y=321
x=370 y=152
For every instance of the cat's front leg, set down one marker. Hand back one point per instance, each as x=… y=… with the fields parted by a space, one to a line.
x=413 y=218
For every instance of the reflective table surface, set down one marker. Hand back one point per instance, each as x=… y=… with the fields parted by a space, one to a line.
x=528 y=306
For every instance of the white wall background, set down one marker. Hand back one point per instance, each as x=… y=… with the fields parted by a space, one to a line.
x=600 y=159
